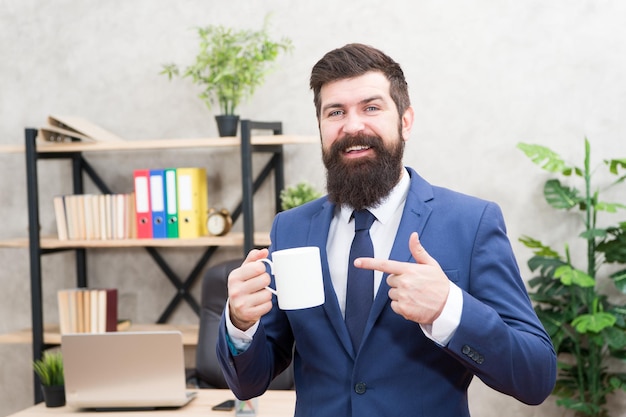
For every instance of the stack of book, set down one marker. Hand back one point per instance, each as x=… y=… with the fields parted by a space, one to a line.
x=95 y=216
x=83 y=310
x=166 y=203
x=171 y=203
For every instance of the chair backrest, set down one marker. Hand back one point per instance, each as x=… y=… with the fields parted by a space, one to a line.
x=213 y=299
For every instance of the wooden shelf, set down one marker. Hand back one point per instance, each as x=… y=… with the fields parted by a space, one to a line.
x=231 y=239
x=153 y=144
x=52 y=336
x=34 y=149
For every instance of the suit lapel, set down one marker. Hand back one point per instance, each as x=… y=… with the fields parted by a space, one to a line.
x=320 y=224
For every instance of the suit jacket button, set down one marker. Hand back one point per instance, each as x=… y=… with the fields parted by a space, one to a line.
x=360 y=388
x=466 y=350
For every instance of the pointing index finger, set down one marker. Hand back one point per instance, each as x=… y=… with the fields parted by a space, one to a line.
x=383 y=265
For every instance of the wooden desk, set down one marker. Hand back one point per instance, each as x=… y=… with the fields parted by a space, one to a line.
x=271 y=404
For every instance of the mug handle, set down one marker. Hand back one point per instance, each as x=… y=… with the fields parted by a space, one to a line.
x=267 y=261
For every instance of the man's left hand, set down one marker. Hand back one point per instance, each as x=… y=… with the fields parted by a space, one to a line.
x=418 y=290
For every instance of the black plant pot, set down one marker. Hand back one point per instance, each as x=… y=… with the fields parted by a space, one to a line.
x=227 y=124
x=53 y=395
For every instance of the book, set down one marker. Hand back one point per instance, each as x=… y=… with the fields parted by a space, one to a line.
x=191 y=185
x=61 y=220
x=74 y=128
x=143 y=211
x=65 y=325
x=157 y=203
x=171 y=203
x=84 y=310
x=107 y=310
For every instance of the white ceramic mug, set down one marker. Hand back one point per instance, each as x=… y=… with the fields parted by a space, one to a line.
x=298 y=276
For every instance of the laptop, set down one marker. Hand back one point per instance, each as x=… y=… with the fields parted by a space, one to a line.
x=125 y=370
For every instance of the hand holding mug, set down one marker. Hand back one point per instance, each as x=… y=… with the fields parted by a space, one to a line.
x=299 y=284
x=247 y=298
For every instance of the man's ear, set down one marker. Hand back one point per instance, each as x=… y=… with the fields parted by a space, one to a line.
x=407 y=123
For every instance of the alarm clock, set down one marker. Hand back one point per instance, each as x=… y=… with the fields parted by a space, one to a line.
x=218 y=222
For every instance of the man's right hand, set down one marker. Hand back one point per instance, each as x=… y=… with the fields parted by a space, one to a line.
x=247 y=297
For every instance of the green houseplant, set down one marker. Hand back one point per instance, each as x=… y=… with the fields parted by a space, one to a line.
x=49 y=369
x=229 y=67
x=588 y=328
x=297 y=195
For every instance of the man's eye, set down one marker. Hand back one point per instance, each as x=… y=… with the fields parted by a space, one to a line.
x=371 y=108
x=335 y=113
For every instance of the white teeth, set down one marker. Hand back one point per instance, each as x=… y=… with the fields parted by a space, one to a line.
x=357 y=148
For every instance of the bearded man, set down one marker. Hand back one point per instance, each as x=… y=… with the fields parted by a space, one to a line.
x=433 y=298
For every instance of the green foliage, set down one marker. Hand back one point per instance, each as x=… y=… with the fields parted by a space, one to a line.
x=231 y=64
x=297 y=195
x=50 y=369
x=587 y=329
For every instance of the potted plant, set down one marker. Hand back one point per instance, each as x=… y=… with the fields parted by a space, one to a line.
x=297 y=195
x=587 y=328
x=49 y=369
x=229 y=66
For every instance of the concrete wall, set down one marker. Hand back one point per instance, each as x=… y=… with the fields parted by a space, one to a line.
x=483 y=75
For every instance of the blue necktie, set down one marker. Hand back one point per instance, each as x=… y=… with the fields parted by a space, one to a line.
x=360 y=289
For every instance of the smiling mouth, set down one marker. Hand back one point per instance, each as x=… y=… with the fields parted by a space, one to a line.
x=357 y=148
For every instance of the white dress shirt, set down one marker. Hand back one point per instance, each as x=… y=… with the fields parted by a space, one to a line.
x=383 y=232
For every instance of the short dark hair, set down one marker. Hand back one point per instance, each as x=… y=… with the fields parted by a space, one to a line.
x=353 y=60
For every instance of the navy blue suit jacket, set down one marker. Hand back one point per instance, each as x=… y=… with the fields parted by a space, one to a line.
x=398 y=371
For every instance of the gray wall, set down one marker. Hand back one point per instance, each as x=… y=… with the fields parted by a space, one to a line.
x=483 y=75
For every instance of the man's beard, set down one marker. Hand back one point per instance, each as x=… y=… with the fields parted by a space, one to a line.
x=363 y=182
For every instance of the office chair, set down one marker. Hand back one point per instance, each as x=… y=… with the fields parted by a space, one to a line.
x=208 y=373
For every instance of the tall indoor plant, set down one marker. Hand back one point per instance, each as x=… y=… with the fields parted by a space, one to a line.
x=229 y=67
x=588 y=329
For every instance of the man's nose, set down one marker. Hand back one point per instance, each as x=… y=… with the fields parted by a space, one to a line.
x=353 y=124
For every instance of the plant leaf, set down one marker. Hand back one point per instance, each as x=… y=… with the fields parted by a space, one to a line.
x=569 y=276
x=615 y=249
x=543 y=156
x=546 y=266
x=609 y=207
x=539 y=248
x=559 y=196
x=593 y=322
x=615 y=164
x=577 y=405
x=619 y=278
x=615 y=337
x=593 y=233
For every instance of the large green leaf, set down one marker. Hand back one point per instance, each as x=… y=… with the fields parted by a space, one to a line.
x=569 y=276
x=575 y=404
x=543 y=156
x=538 y=247
x=615 y=337
x=593 y=234
x=560 y=196
x=615 y=164
x=619 y=278
x=546 y=266
x=609 y=207
x=615 y=249
x=595 y=322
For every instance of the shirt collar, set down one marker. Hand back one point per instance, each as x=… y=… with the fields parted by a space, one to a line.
x=385 y=210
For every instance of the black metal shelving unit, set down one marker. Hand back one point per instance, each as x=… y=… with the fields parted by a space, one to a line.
x=81 y=169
